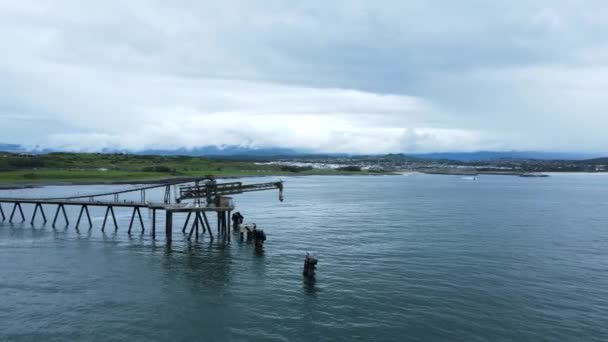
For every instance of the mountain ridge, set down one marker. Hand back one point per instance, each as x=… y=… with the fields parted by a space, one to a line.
x=236 y=151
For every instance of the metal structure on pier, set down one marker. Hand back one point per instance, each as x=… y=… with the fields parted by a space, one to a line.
x=197 y=197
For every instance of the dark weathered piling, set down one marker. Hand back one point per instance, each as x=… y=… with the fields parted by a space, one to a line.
x=141 y=221
x=36 y=207
x=194 y=227
x=186 y=223
x=169 y=225
x=207 y=224
x=154 y=223
x=200 y=220
x=84 y=209
x=219 y=223
x=17 y=205
x=65 y=216
x=310 y=266
x=109 y=210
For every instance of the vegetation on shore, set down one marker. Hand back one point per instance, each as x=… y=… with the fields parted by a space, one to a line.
x=94 y=167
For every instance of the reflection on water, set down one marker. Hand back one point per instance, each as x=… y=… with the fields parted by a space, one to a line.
x=259 y=250
x=309 y=286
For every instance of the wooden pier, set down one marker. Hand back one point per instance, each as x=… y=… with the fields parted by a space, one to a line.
x=196 y=199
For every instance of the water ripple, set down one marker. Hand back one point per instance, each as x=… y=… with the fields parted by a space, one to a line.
x=415 y=258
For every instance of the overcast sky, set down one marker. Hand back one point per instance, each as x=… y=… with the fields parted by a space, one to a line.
x=329 y=76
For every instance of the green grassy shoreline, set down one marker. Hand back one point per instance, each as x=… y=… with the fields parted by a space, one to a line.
x=33 y=178
x=18 y=170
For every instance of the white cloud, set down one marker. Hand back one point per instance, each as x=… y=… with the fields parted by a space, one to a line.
x=346 y=76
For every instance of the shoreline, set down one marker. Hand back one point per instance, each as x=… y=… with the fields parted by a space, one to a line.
x=480 y=173
x=542 y=174
x=185 y=179
x=43 y=183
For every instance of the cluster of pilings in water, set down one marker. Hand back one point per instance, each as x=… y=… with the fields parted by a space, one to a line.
x=200 y=222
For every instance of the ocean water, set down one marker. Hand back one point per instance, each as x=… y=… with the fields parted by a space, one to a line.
x=401 y=258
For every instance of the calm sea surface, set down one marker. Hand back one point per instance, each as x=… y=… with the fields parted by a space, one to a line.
x=402 y=258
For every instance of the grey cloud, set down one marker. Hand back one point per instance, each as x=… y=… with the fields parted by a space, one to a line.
x=380 y=77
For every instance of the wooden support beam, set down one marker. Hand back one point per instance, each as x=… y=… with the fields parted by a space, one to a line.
x=219 y=222
x=141 y=221
x=153 y=223
x=169 y=225
x=10 y=219
x=132 y=218
x=21 y=212
x=105 y=219
x=42 y=212
x=65 y=215
x=56 y=214
x=207 y=224
x=199 y=217
x=227 y=223
x=224 y=226
x=80 y=216
x=86 y=210
x=109 y=210
x=190 y=233
x=186 y=223
x=17 y=205
x=114 y=218
x=2 y=212
x=34 y=213
x=194 y=226
x=36 y=207
x=167 y=199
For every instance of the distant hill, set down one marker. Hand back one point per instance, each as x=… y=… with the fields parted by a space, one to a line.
x=243 y=152
x=596 y=161
x=513 y=155
x=225 y=150
x=10 y=148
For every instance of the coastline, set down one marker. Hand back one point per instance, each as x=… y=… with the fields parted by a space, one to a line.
x=475 y=173
x=44 y=183
x=19 y=185
x=542 y=174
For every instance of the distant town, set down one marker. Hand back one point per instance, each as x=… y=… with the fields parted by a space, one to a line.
x=401 y=162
